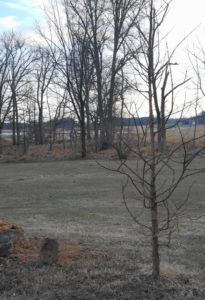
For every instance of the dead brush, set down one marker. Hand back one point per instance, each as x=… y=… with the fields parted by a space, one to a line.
x=174 y=274
x=20 y=244
x=122 y=146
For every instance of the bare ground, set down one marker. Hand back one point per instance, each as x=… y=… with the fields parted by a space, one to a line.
x=81 y=202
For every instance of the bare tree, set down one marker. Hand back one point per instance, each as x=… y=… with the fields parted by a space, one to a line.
x=20 y=60
x=125 y=14
x=43 y=73
x=91 y=18
x=73 y=63
x=80 y=81
x=5 y=101
x=145 y=179
x=152 y=190
x=56 y=113
x=153 y=65
x=108 y=25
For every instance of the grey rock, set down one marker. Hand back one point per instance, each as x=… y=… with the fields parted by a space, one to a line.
x=5 y=245
x=15 y=234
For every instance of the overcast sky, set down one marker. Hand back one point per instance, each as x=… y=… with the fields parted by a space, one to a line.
x=20 y=14
x=183 y=17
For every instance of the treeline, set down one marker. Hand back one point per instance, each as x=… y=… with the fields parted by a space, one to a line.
x=77 y=70
x=91 y=56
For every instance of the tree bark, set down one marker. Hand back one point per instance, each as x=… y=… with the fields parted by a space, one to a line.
x=40 y=124
x=153 y=200
x=88 y=121
x=14 y=124
x=83 y=133
x=155 y=238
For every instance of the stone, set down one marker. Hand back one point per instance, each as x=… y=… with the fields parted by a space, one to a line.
x=49 y=251
x=15 y=235
x=5 y=245
x=12 y=233
x=5 y=226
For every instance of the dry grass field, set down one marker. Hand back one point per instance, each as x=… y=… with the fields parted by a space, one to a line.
x=73 y=151
x=79 y=202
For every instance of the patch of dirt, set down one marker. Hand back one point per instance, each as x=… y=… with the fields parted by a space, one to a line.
x=29 y=251
x=68 y=252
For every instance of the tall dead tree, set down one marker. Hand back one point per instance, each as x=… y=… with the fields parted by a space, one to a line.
x=71 y=52
x=92 y=20
x=125 y=14
x=153 y=65
x=5 y=100
x=43 y=72
x=56 y=115
x=109 y=25
x=80 y=82
x=20 y=60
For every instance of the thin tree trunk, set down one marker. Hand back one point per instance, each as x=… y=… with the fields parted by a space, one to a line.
x=1 y=140
x=155 y=235
x=110 y=133
x=17 y=126
x=99 y=92
x=161 y=136
x=14 y=125
x=40 y=124
x=83 y=133
x=95 y=125
x=88 y=121
x=153 y=200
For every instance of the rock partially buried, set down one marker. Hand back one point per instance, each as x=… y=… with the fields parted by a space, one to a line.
x=49 y=251
x=5 y=245
x=10 y=235
x=5 y=226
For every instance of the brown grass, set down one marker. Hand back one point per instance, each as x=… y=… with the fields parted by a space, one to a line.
x=176 y=136
x=39 y=152
x=174 y=273
x=5 y=226
x=60 y=151
x=29 y=251
x=68 y=252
